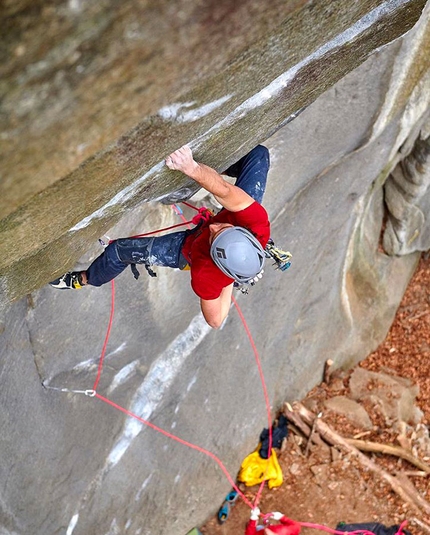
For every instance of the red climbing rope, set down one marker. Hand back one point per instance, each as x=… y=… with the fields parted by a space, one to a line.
x=266 y=396
x=162 y=229
x=174 y=437
x=181 y=441
x=203 y=214
x=190 y=206
x=102 y=356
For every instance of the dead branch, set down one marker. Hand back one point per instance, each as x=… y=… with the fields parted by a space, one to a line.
x=412 y=317
x=375 y=447
x=362 y=434
x=414 y=473
x=312 y=433
x=401 y=485
x=301 y=425
x=421 y=524
x=412 y=491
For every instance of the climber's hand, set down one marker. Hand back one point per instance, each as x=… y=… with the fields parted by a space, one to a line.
x=182 y=160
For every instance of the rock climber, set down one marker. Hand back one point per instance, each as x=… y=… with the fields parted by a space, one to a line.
x=286 y=526
x=228 y=247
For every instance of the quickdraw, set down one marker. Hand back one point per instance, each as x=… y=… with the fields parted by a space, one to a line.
x=282 y=258
x=282 y=261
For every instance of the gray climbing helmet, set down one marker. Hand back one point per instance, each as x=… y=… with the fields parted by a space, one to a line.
x=238 y=254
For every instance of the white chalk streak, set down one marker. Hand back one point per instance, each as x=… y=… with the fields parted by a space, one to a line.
x=282 y=81
x=158 y=380
x=143 y=487
x=191 y=383
x=72 y=524
x=123 y=375
x=86 y=365
x=175 y=112
x=257 y=100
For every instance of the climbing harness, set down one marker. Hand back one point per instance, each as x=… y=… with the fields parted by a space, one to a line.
x=203 y=215
x=282 y=259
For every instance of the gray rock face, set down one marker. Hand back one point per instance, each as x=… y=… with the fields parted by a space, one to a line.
x=351 y=409
x=73 y=464
x=408 y=203
x=251 y=91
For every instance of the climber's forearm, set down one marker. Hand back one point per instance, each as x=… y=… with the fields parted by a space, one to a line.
x=228 y=195
x=209 y=179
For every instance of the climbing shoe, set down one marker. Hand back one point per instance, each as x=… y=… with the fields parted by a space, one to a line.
x=224 y=510
x=70 y=281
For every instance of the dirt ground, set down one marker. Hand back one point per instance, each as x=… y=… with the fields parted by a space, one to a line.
x=325 y=487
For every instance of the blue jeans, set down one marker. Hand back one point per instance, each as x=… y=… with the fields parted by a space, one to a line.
x=251 y=173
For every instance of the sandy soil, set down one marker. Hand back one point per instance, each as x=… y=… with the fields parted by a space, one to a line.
x=325 y=487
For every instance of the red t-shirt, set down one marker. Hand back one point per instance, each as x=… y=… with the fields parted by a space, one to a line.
x=207 y=280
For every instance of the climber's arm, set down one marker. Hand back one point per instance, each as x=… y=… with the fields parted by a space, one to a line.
x=216 y=310
x=229 y=196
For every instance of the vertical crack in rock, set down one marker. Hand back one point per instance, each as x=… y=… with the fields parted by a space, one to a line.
x=346 y=293
x=407 y=202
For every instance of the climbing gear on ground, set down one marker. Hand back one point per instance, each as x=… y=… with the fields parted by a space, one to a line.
x=282 y=258
x=72 y=280
x=255 y=514
x=229 y=501
x=372 y=527
x=254 y=470
x=238 y=254
x=287 y=526
x=278 y=434
x=194 y=531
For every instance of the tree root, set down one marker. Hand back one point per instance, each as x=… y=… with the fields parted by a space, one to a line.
x=400 y=484
x=375 y=447
x=422 y=525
